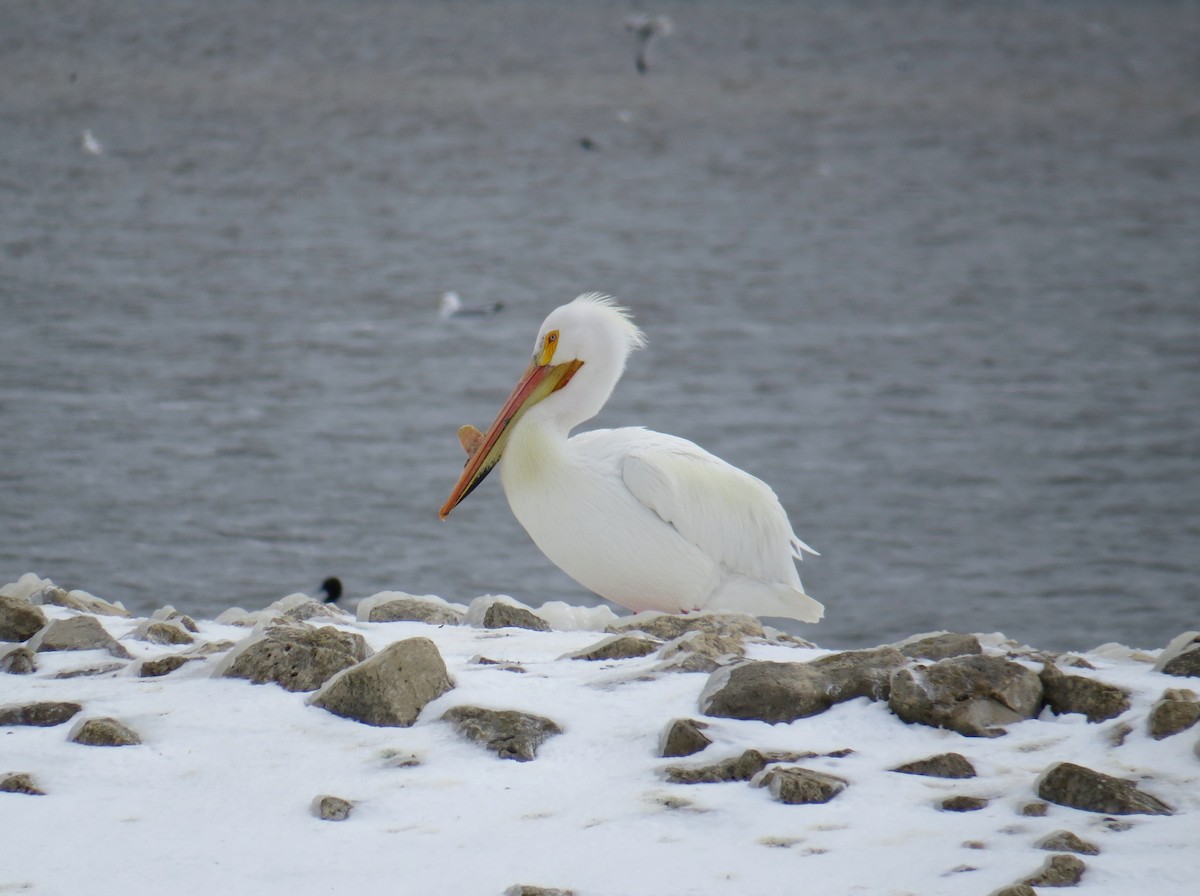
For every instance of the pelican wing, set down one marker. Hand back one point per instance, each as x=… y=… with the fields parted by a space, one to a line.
x=728 y=514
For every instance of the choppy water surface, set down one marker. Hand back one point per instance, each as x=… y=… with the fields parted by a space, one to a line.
x=929 y=269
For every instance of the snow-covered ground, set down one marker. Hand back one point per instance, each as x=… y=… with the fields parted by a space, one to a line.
x=217 y=797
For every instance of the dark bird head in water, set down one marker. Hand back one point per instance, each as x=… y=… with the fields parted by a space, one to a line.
x=332 y=589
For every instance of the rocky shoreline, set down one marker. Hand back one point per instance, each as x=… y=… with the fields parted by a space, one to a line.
x=961 y=689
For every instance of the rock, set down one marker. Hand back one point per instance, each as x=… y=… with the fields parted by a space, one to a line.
x=669 y=626
x=529 y=890
x=17 y=660
x=1075 y=693
x=331 y=808
x=963 y=804
x=103 y=732
x=735 y=768
x=163 y=666
x=1117 y=734
x=1177 y=710
x=784 y=692
x=939 y=646
x=77 y=633
x=21 y=782
x=943 y=765
x=296 y=657
x=410 y=609
x=391 y=688
x=162 y=632
x=77 y=600
x=170 y=614
x=42 y=715
x=1181 y=657
x=1035 y=809
x=1058 y=871
x=1068 y=784
x=19 y=619
x=968 y=694
x=683 y=737
x=505 y=615
x=301 y=608
x=109 y=669
x=508 y=733
x=701 y=651
x=617 y=647
x=797 y=786
x=1016 y=890
x=1065 y=841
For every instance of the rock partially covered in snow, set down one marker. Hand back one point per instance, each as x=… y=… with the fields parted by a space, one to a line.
x=506 y=732
x=734 y=768
x=939 y=646
x=617 y=647
x=701 y=651
x=1077 y=693
x=972 y=695
x=43 y=714
x=296 y=657
x=331 y=808
x=1181 y=657
x=21 y=782
x=77 y=633
x=19 y=619
x=1177 y=710
x=1078 y=787
x=943 y=765
x=1059 y=871
x=683 y=737
x=162 y=632
x=103 y=732
x=397 y=606
x=391 y=688
x=17 y=660
x=784 y=692
x=798 y=786
x=1065 y=841
x=668 y=626
x=37 y=590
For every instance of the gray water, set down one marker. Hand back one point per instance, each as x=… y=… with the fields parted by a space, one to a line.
x=930 y=269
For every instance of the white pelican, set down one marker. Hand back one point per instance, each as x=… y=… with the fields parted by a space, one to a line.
x=648 y=521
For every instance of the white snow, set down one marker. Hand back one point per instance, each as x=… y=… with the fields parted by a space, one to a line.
x=217 y=799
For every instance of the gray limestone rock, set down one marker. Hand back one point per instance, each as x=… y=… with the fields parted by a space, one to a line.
x=20 y=782
x=331 y=808
x=1076 y=693
x=391 y=688
x=968 y=694
x=1068 y=784
x=103 y=732
x=797 y=786
x=109 y=669
x=77 y=633
x=302 y=609
x=1065 y=841
x=17 y=660
x=701 y=651
x=163 y=632
x=943 y=765
x=1177 y=710
x=19 y=619
x=164 y=665
x=44 y=714
x=1181 y=657
x=530 y=890
x=733 y=768
x=505 y=615
x=669 y=626
x=508 y=733
x=939 y=646
x=77 y=600
x=784 y=692
x=963 y=804
x=296 y=657
x=683 y=737
x=617 y=647
x=1058 y=871
x=414 y=609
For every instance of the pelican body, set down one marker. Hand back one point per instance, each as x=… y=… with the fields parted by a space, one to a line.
x=646 y=520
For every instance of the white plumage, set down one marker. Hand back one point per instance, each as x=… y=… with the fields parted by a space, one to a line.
x=646 y=520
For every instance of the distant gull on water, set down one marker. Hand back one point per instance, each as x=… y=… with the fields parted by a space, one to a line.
x=90 y=144
x=451 y=305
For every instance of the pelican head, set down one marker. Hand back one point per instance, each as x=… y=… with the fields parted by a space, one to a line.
x=578 y=357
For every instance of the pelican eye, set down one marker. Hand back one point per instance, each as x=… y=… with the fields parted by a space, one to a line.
x=549 y=344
